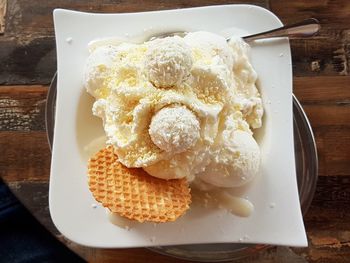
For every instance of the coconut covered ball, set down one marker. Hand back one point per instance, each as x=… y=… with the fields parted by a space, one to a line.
x=174 y=129
x=168 y=62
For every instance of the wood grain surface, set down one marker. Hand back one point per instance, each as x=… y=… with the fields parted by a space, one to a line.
x=321 y=83
x=3 y=4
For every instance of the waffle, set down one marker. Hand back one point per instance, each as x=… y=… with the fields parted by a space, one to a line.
x=134 y=194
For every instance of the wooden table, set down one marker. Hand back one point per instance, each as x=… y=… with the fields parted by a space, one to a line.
x=321 y=82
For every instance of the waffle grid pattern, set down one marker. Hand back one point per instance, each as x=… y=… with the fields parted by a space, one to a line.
x=133 y=193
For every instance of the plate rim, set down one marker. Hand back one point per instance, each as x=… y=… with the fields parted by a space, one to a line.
x=185 y=9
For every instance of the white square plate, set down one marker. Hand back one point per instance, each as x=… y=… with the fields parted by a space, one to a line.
x=277 y=217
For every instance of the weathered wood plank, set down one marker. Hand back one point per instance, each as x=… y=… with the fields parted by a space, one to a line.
x=3 y=4
x=322 y=90
x=28 y=54
x=16 y=101
x=333 y=151
x=27 y=102
x=327 y=225
x=333 y=147
x=22 y=108
x=328 y=115
x=327 y=54
x=332 y=14
x=25 y=156
x=327 y=221
x=310 y=58
x=29 y=21
x=315 y=57
x=27 y=62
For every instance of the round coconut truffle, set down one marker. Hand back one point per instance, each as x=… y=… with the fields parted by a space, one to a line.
x=168 y=62
x=174 y=129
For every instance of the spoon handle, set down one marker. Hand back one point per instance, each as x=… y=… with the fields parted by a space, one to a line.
x=305 y=28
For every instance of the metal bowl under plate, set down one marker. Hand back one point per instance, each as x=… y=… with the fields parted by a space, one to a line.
x=306 y=168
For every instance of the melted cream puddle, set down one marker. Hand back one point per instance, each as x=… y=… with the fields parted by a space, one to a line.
x=89 y=130
x=220 y=198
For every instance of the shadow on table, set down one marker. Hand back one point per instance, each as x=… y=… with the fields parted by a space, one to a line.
x=23 y=238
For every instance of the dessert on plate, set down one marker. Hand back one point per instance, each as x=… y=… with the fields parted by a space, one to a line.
x=178 y=113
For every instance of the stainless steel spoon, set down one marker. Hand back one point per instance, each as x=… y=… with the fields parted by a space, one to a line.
x=305 y=28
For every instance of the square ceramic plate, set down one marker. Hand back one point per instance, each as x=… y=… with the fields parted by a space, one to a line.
x=277 y=217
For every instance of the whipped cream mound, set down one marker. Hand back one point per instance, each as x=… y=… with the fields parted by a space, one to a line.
x=174 y=129
x=168 y=62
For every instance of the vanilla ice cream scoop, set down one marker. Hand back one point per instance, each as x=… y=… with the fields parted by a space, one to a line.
x=207 y=47
x=168 y=62
x=235 y=161
x=174 y=129
x=97 y=69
